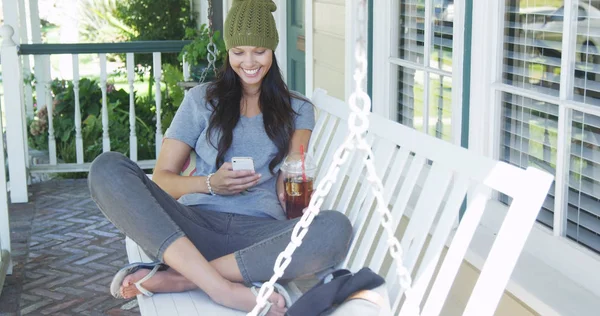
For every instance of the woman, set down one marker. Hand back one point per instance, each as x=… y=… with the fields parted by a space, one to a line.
x=221 y=230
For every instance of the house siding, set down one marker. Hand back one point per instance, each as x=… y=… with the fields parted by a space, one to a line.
x=328 y=53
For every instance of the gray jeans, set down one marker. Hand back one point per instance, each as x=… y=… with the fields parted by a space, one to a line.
x=154 y=220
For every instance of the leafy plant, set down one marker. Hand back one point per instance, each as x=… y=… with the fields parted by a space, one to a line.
x=154 y=20
x=171 y=76
x=90 y=96
x=196 y=52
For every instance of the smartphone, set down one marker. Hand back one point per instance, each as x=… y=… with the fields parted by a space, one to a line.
x=242 y=163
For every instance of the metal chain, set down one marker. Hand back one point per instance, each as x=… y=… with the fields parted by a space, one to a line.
x=358 y=124
x=212 y=49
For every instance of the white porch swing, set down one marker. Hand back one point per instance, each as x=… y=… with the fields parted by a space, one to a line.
x=425 y=182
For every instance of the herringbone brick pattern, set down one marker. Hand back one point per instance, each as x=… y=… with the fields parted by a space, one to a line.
x=65 y=254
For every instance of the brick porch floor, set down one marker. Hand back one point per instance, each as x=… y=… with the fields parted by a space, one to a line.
x=65 y=253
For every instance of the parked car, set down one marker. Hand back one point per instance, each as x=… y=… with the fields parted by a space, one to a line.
x=548 y=33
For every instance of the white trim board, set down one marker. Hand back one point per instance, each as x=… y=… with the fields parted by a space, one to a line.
x=281 y=23
x=309 y=48
x=535 y=281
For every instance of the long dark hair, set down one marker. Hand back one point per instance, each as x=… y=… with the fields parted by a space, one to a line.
x=224 y=96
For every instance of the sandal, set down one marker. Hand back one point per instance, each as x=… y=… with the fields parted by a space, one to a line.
x=117 y=280
x=279 y=289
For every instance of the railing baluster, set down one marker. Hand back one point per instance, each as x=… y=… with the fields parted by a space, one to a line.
x=157 y=77
x=50 y=111
x=132 y=135
x=186 y=70
x=40 y=67
x=105 y=136
x=28 y=89
x=78 y=138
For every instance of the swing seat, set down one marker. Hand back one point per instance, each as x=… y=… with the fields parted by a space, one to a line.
x=428 y=182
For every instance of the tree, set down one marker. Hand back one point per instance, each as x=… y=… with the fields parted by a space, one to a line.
x=155 y=20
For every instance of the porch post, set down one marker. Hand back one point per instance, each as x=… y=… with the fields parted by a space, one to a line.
x=26 y=60
x=34 y=20
x=41 y=62
x=4 y=218
x=11 y=17
x=13 y=104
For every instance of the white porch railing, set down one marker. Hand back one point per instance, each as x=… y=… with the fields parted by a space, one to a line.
x=12 y=55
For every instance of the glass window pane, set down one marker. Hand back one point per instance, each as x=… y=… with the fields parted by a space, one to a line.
x=440 y=106
x=423 y=92
x=442 y=32
x=528 y=138
x=411 y=31
x=533 y=44
x=583 y=214
x=411 y=97
x=587 y=53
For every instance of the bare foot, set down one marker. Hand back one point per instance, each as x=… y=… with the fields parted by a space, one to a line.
x=278 y=308
x=242 y=298
x=161 y=282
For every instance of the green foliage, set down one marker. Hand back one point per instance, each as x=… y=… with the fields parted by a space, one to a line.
x=171 y=76
x=196 y=52
x=90 y=96
x=153 y=20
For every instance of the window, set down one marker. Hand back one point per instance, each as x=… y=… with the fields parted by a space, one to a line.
x=415 y=82
x=551 y=74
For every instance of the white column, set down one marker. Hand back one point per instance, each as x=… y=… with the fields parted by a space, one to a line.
x=26 y=59
x=69 y=33
x=4 y=218
x=13 y=103
x=40 y=62
x=11 y=18
x=34 y=20
x=202 y=11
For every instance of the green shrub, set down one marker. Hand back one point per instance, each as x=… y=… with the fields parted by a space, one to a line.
x=90 y=96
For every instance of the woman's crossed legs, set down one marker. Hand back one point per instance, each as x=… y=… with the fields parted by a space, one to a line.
x=213 y=251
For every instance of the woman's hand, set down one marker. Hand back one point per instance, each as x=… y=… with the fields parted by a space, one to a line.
x=281 y=190
x=282 y=201
x=228 y=182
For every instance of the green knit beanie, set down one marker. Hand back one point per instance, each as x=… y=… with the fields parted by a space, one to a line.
x=251 y=23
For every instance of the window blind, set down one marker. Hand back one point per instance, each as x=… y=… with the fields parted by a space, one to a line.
x=533 y=36
x=419 y=88
x=587 y=65
x=532 y=45
x=584 y=181
x=529 y=137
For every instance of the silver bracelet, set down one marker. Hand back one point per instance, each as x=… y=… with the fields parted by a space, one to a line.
x=210 y=190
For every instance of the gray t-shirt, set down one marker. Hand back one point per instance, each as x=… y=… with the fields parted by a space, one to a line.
x=190 y=125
